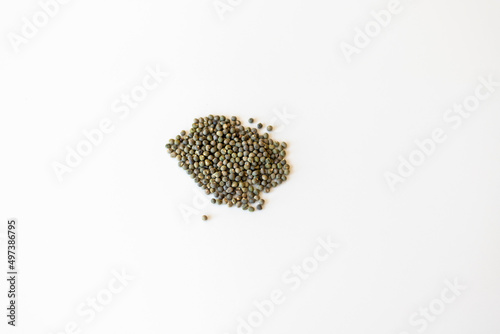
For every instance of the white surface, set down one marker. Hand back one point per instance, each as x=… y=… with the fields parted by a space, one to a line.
x=120 y=208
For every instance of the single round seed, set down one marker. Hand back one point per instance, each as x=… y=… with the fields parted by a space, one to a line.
x=259 y=207
x=251 y=120
x=260 y=126
x=204 y=217
x=270 y=128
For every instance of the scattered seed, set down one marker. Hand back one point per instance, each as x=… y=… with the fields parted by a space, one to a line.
x=232 y=162
x=204 y=217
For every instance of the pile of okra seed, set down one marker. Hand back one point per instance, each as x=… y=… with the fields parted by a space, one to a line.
x=233 y=162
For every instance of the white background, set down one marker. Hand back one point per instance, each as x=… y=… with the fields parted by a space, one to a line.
x=119 y=209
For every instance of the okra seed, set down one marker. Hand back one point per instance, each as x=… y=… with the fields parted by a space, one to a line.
x=232 y=162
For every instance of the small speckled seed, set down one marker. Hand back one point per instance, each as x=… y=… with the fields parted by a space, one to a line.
x=260 y=126
x=204 y=217
x=270 y=128
x=251 y=120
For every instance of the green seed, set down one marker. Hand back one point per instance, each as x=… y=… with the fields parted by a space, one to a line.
x=233 y=162
x=270 y=128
